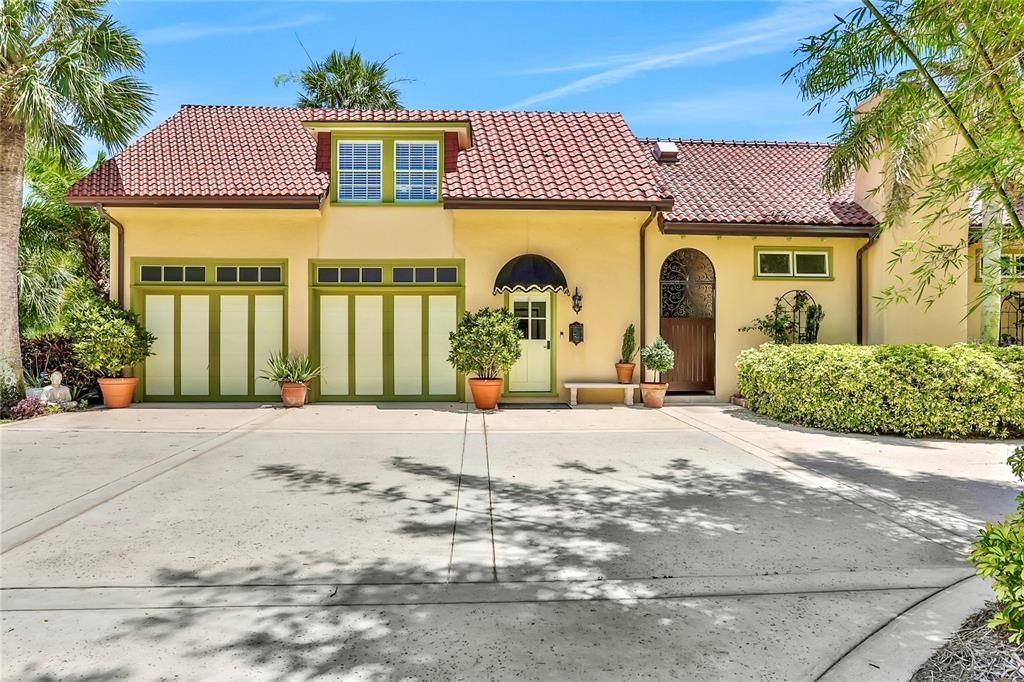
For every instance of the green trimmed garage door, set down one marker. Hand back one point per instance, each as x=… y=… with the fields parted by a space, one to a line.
x=216 y=325
x=380 y=330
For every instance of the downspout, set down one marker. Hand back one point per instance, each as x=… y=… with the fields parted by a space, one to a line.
x=860 y=285
x=120 y=252
x=643 y=276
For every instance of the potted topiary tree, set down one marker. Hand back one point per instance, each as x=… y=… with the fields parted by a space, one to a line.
x=293 y=374
x=485 y=343
x=107 y=339
x=657 y=357
x=625 y=366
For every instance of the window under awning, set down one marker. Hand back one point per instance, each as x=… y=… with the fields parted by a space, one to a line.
x=530 y=272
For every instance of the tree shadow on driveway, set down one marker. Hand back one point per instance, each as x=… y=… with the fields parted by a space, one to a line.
x=581 y=560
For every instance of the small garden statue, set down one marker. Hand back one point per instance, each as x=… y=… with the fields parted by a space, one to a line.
x=56 y=393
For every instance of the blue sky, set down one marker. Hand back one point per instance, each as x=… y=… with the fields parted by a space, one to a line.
x=688 y=69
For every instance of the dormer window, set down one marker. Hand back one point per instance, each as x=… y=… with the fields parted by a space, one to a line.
x=359 y=170
x=386 y=167
x=416 y=165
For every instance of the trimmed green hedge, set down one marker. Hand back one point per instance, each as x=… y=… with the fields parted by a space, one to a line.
x=915 y=390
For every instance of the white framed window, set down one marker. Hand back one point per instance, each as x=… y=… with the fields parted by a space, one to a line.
x=359 y=170
x=772 y=263
x=416 y=170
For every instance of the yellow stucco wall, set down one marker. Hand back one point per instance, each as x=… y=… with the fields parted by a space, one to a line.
x=740 y=298
x=597 y=250
x=910 y=321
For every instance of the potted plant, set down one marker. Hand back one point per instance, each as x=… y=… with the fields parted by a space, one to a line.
x=657 y=357
x=107 y=339
x=625 y=366
x=485 y=343
x=293 y=374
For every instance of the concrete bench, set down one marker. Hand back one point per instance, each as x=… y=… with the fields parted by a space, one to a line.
x=574 y=386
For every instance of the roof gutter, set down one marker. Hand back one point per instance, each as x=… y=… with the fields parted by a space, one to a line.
x=860 y=285
x=768 y=229
x=643 y=276
x=120 y=251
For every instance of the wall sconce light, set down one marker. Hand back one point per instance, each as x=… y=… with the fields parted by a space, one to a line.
x=577 y=301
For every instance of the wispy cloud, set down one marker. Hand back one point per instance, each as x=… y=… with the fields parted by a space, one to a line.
x=779 y=30
x=179 y=33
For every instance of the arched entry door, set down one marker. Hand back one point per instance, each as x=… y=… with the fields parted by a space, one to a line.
x=688 y=319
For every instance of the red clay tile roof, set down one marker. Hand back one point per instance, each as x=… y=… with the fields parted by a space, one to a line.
x=775 y=183
x=235 y=152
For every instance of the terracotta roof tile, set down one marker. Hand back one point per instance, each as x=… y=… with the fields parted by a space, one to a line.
x=754 y=182
x=226 y=151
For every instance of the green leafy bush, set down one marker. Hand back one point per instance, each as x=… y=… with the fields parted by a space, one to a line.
x=486 y=343
x=106 y=338
x=998 y=554
x=658 y=357
x=628 y=346
x=913 y=390
x=283 y=368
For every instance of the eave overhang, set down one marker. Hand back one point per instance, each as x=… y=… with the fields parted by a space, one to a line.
x=768 y=229
x=557 y=205
x=461 y=128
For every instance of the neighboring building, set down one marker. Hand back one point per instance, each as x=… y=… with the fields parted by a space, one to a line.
x=362 y=236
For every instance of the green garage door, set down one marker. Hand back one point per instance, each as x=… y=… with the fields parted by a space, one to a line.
x=380 y=330
x=214 y=331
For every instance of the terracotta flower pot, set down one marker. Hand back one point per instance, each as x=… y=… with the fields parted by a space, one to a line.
x=485 y=393
x=117 y=392
x=624 y=371
x=654 y=394
x=293 y=393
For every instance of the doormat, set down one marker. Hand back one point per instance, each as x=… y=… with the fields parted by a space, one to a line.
x=533 y=406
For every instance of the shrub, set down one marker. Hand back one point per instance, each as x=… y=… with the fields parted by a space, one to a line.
x=913 y=390
x=658 y=357
x=283 y=368
x=53 y=352
x=628 y=346
x=27 y=408
x=998 y=554
x=107 y=338
x=486 y=343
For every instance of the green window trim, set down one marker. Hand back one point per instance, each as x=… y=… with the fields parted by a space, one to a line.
x=387 y=268
x=387 y=141
x=141 y=263
x=792 y=252
x=1013 y=254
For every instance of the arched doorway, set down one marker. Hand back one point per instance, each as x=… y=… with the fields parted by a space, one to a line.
x=688 y=319
x=1011 y=320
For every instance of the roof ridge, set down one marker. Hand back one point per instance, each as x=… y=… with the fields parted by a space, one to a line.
x=282 y=107
x=737 y=143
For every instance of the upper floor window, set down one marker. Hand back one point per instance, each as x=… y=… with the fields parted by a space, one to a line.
x=798 y=263
x=359 y=171
x=416 y=171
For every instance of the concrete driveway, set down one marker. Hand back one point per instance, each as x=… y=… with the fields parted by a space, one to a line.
x=436 y=542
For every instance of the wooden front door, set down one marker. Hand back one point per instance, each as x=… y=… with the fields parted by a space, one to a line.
x=688 y=320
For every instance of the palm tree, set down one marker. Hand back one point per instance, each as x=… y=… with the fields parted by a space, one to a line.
x=49 y=222
x=65 y=73
x=345 y=81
